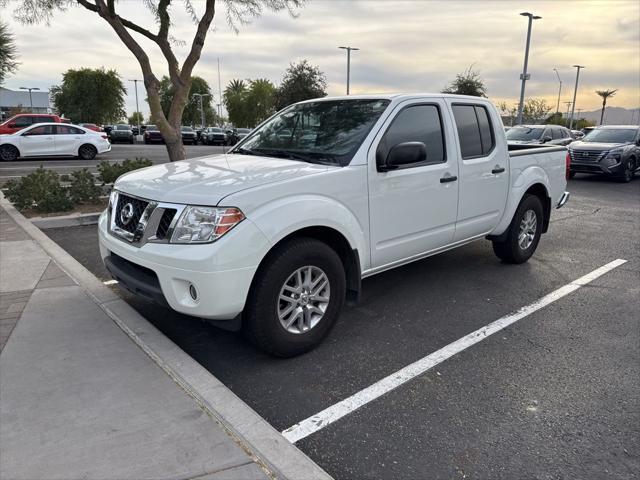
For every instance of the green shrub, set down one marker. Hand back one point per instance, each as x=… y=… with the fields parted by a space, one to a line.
x=109 y=172
x=83 y=187
x=40 y=190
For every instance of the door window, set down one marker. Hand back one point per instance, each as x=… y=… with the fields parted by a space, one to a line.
x=23 y=121
x=557 y=134
x=41 y=130
x=417 y=123
x=68 y=130
x=474 y=130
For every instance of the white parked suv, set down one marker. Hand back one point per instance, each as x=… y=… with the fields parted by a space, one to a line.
x=277 y=233
x=52 y=140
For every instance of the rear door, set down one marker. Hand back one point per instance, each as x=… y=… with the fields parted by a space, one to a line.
x=484 y=169
x=411 y=210
x=68 y=139
x=37 y=141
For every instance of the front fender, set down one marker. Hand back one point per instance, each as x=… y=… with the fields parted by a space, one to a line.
x=282 y=217
x=523 y=180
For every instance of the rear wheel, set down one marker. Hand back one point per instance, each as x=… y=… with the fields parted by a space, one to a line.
x=296 y=298
x=524 y=232
x=9 y=153
x=87 y=152
x=629 y=170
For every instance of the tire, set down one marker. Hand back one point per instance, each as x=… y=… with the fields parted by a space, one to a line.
x=517 y=249
x=87 y=152
x=277 y=277
x=146 y=142
x=571 y=175
x=9 y=153
x=131 y=141
x=629 y=171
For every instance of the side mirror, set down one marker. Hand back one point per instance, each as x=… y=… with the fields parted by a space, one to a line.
x=406 y=153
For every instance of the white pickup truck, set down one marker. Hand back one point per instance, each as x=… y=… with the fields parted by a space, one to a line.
x=276 y=234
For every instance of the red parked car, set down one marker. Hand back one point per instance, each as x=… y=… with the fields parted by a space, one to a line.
x=24 y=120
x=91 y=126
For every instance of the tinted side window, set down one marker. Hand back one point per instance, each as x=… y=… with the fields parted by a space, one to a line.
x=41 y=130
x=486 y=132
x=23 y=121
x=557 y=133
x=468 y=130
x=68 y=130
x=419 y=123
x=45 y=120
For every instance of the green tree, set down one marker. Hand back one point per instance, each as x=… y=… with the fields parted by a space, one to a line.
x=301 y=81
x=128 y=31
x=535 y=110
x=136 y=118
x=8 y=53
x=605 y=94
x=235 y=101
x=191 y=114
x=468 y=82
x=89 y=95
x=261 y=99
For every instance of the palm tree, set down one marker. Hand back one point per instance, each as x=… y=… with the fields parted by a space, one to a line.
x=8 y=53
x=605 y=94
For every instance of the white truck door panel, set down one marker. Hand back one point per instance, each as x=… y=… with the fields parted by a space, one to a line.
x=484 y=170
x=37 y=141
x=411 y=211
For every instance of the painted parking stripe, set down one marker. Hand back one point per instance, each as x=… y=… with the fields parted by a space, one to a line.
x=110 y=282
x=335 y=412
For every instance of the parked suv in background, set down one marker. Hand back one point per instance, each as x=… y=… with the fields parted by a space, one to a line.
x=189 y=135
x=611 y=150
x=152 y=134
x=214 y=136
x=121 y=133
x=538 y=134
x=24 y=120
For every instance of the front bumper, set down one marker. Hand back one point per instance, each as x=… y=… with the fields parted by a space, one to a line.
x=597 y=167
x=221 y=272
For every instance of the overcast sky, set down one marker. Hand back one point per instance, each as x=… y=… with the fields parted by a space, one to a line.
x=405 y=46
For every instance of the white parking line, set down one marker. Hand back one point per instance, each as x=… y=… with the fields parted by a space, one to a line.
x=110 y=282
x=335 y=412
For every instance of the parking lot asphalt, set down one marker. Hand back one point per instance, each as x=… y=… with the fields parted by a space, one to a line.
x=118 y=153
x=555 y=395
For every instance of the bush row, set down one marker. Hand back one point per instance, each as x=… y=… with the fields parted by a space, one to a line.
x=44 y=192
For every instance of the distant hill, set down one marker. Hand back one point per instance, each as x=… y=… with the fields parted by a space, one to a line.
x=614 y=116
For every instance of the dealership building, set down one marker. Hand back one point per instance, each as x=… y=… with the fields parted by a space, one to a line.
x=14 y=99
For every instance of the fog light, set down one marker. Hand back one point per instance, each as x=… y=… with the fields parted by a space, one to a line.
x=193 y=292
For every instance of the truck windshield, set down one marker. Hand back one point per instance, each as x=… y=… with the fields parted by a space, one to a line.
x=610 y=135
x=524 y=133
x=328 y=132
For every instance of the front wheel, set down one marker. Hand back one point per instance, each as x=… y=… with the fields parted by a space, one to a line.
x=629 y=171
x=8 y=153
x=524 y=232
x=296 y=297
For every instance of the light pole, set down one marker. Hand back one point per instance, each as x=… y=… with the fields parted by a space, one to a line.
x=348 y=49
x=219 y=94
x=30 y=97
x=135 y=83
x=201 y=96
x=575 y=92
x=525 y=76
x=559 y=91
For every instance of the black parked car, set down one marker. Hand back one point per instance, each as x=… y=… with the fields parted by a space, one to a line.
x=611 y=150
x=121 y=133
x=237 y=134
x=152 y=134
x=189 y=135
x=214 y=136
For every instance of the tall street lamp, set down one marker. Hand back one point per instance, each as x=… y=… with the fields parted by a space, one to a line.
x=575 y=92
x=559 y=91
x=348 y=49
x=30 y=97
x=201 y=96
x=135 y=83
x=525 y=76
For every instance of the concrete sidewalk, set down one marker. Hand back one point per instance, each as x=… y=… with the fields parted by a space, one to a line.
x=89 y=389
x=78 y=399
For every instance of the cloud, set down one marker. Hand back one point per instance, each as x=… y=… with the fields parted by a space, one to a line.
x=405 y=46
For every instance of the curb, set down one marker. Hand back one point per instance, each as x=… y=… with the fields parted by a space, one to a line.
x=59 y=221
x=257 y=437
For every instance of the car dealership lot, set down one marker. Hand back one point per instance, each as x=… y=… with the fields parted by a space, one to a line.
x=554 y=395
x=118 y=153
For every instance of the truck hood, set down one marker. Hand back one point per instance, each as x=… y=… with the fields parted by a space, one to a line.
x=597 y=147
x=206 y=181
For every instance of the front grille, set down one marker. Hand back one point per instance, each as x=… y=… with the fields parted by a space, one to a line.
x=137 y=208
x=165 y=223
x=586 y=155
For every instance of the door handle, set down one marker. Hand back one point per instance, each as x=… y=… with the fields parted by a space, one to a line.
x=448 y=178
x=497 y=170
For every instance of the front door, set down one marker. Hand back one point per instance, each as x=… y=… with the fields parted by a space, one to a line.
x=37 y=141
x=484 y=170
x=412 y=209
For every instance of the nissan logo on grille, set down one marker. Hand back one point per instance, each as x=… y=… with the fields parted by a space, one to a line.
x=126 y=214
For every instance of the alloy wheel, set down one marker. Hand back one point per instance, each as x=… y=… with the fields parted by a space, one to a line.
x=527 y=231
x=303 y=299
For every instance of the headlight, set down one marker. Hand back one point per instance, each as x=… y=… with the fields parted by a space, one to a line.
x=205 y=224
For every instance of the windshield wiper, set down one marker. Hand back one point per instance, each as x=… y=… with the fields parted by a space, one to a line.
x=270 y=152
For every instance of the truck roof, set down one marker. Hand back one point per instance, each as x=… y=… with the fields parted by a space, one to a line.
x=618 y=127
x=398 y=96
